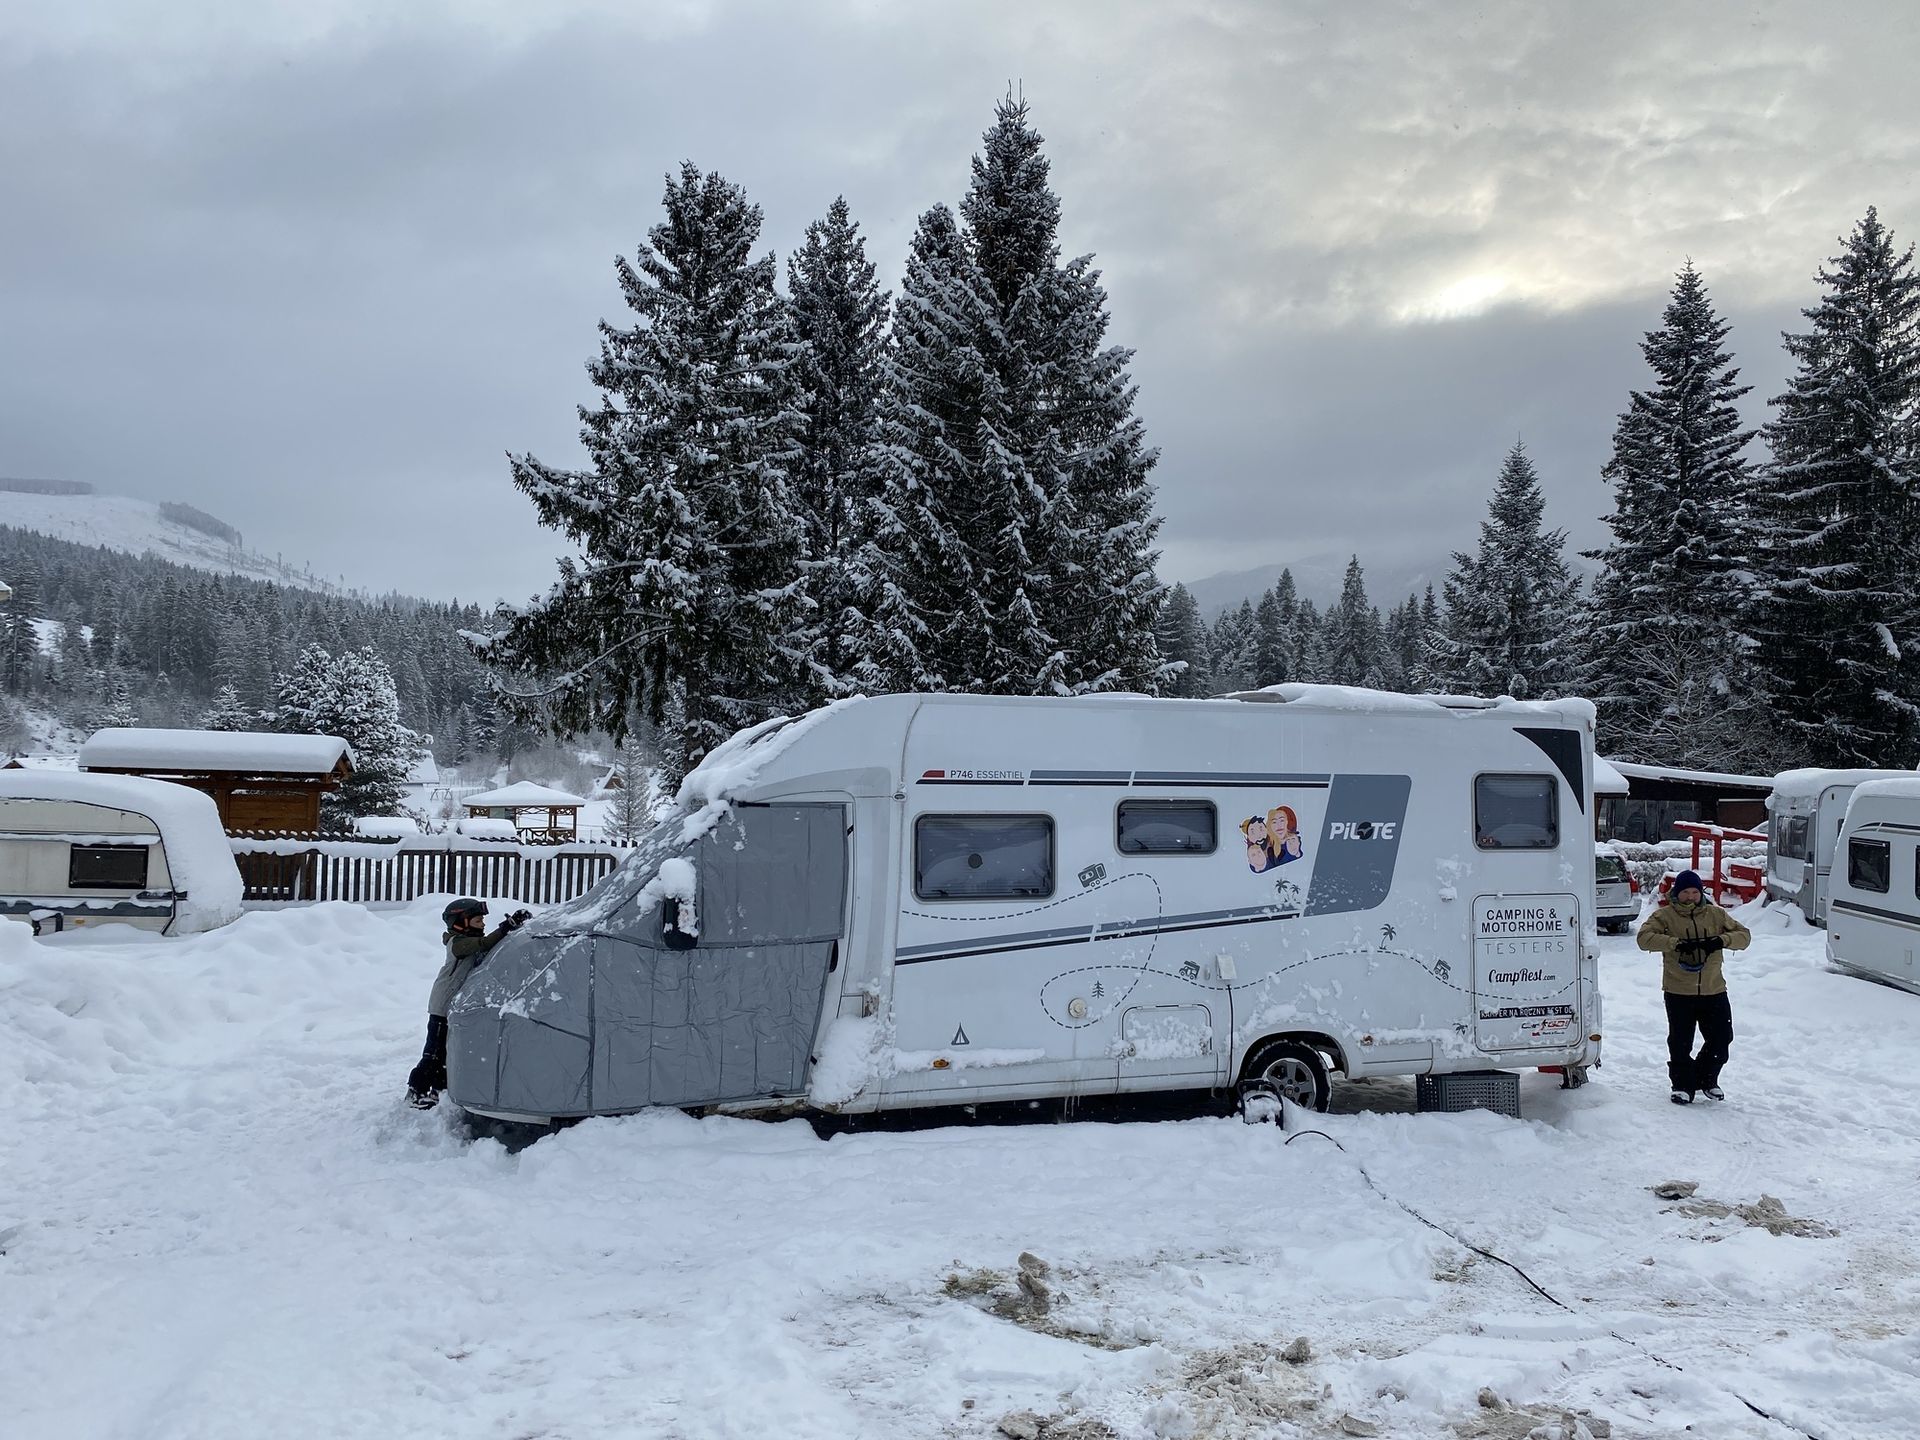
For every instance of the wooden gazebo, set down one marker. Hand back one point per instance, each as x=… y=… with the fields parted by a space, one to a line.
x=542 y=815
x=260 y=780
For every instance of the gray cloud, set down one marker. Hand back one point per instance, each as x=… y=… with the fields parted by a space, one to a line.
x=316 y=271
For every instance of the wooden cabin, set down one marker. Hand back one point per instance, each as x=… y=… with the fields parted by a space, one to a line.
x=541 y=815
x=259 y=780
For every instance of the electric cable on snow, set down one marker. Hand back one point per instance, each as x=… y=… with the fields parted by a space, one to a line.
x=1534 y=1284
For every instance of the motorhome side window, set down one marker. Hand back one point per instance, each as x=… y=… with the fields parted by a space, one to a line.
x=1797 y=847
x=1166 y=827
x=983 y=857
x=1869 y=865
x=107 y=867
x=1516 y=812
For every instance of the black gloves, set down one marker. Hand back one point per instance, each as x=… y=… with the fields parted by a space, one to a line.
x=1700 y=947
x=514 y=921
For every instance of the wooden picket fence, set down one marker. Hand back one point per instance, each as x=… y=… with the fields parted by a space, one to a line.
x=280 y=869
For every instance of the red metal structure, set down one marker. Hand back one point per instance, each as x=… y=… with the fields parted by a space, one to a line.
x=1743 y=879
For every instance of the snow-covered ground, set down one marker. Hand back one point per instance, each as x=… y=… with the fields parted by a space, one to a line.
x=218 y=1220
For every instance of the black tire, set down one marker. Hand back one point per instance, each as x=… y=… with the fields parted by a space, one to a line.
x=1294 y=1070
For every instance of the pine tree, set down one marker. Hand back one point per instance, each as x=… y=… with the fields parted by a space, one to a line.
x=1352 y=634
x=1838 y=621
x=839 y=322
x=1307 y=649
x=928 y=616
x=115 y=707
x=22 y=635
x=364 y=710
x=1073 y=529
x=1182 y=640
x=1273 y=627
x=1512 y=606
x=690 y=570
x=227 y=712
x=628 y=817
x=303 y=696
x=1676 y=575
x=1232 y=643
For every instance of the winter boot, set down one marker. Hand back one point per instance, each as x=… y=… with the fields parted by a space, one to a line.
x=1681 y=1097
x=1714 y=1092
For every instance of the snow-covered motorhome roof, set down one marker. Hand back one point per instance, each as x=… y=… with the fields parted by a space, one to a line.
x=199 y=857
x=1352 y=698
x=523 y=794
x=195 y=752
x=1883 y=788
x=1632 y=771
x=1801 y=784
x=1606 y=779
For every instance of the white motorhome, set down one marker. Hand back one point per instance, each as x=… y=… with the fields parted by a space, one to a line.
x=1873 y=917
x=79 y=850
x=924 y=900
x=1805 y=812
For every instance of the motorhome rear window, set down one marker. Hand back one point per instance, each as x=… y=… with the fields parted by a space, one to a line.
x=107 y=867
x=1516 y=812
x=1869 y=865
x=1166 y=827
x=983 y=857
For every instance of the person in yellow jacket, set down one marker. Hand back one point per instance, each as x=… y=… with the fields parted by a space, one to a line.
x=1690 y=936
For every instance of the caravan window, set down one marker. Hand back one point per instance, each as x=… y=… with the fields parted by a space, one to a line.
x=107 y=867
x=1869 y=865
x=1797 y=847
x=1166 y=827
x=983 y=857
x=1516 y=812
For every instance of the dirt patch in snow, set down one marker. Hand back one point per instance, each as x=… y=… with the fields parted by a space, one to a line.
x=1767 y=1213
x=1035 y=1297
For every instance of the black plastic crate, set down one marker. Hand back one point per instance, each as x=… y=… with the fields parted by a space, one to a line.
x=1495 y=1090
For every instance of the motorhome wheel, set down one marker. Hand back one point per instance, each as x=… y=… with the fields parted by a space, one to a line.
x=1292 y=1070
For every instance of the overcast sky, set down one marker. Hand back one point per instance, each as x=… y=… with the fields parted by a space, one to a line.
x=314 y=267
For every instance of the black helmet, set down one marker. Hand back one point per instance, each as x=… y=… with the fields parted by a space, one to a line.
x=465 y=908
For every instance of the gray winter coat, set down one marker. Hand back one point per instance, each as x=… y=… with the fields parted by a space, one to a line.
x=464 y=954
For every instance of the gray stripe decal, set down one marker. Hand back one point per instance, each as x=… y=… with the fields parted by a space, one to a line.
x=1109 y=930
x=1110 y=777
x=1223 y=777
x=1912 y=922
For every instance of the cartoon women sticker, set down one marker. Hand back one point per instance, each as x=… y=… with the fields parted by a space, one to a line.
x=1272 y=839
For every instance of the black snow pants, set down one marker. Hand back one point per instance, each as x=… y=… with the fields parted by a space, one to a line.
x=429 y=1077
x=1713 y=1014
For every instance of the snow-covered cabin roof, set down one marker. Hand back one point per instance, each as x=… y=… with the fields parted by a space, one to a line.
x=523 y=794
x=199 y=856
x=425 y=770
x=1796 y=784
x=1606 y=779
x=1631 y=772
x=67 y=763
x=199 y=752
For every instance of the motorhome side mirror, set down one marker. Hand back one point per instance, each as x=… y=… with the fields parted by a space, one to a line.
x=671 y=935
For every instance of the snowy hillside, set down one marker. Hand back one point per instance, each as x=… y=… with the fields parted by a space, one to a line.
x=219 y=1220
x=121 y=522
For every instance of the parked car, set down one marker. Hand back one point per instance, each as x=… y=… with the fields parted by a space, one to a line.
x=1616 y=894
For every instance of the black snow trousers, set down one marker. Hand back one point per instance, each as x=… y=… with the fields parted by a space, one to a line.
x=1713 y=1014
x=429 y=1077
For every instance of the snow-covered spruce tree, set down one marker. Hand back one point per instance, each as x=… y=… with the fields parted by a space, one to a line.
x=1351 y=635
x=628 y=811
x=1838 y=621
x=22 y=634
x=1232 y=642
x=1677 y=575
x=1078 y=478
x=303 y=697
x=690 y=570
x=929 y=614
x=227 y=712
x=1513 y=605
x=1421 y=678
x=839 y=324
x=1182 y=639
x=362 y=708
x=1272 y=629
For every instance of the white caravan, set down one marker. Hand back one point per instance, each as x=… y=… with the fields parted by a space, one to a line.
x=1873 y=919
x=1805 y=811
x=79 y=850
x=958 y=899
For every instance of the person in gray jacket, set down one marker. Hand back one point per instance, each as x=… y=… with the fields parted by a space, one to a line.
x=467 y=940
